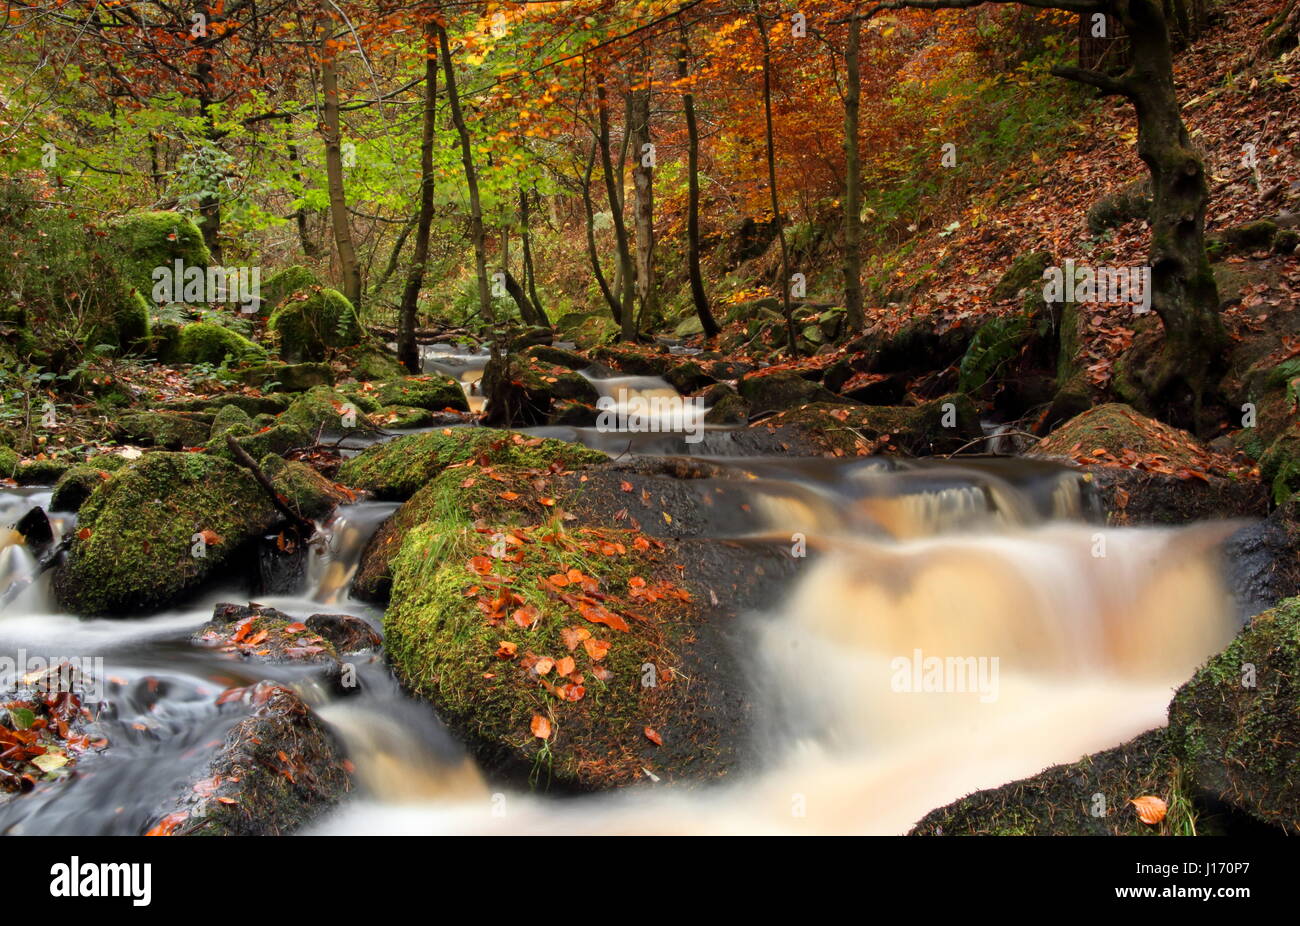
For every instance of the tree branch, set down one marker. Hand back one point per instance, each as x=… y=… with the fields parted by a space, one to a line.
x=1109 y=86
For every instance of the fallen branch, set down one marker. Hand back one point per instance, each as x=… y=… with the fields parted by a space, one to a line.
x=306 y=527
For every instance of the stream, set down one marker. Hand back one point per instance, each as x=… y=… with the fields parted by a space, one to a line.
x=1074 y=635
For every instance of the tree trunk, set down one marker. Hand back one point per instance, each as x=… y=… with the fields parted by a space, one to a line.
x=348 y=264
x=625 y=279
x=592 y=251
x=643 y=180
x=853 y=182
x=408 y=354
x=471 y=180
x=210 y=200
x=698 y=295
x=1283 y=33
x=530 y=276
x=792 y=343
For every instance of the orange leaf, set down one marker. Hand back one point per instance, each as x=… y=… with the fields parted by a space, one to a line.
x=596 y=649
x=480 y=565
x=1150 y=809
x=83 y=534
x=565 y=665
x=544 y=665
x=572 y=636
x=548 y=502
x=509 y=496
x=653 y=736
x=211 y=538
x=541 y=727
x=506 y=649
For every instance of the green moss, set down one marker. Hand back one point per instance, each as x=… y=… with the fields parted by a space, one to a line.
x=1279 y=467
x=323 y=408
x=134 y=550
x=309 y=327
x=779 y=391
x=148 y=240
x=1234 y=725
x=75 y=485
x=395 y=470
x=445 y=648
x=943 y=425
x=374 y=363
x=434 y=393
x=8 y=462
x=1025 y=271
x=288 y=377
x=306 y=491
x=41 y=472
x=283 y=284
x=164 y=429
x=277 y=439
x=208 y=342
x=400 y=417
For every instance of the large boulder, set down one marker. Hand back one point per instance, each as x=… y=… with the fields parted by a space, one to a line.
x=524 y=391
x=432 y=392
x=310 y=324
x=1234 y=727
x=141 y=243
x=944 y=425
x=173 y=430
x=136 y=550
x=774 y=392
x=395 y=470
x=285 y=283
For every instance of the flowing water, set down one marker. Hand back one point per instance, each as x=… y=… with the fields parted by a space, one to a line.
x=1054 y=637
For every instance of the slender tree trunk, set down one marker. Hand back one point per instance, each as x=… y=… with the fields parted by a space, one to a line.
x=471 y=180
x=593 y=252
x=643 y=180
x=788 y=309
x=210 y=201
x=349 y=266
x=407 y=351
x=310 y=248
x=853 y=181
x=698 y=295
x=530 y=276
x=612 y=189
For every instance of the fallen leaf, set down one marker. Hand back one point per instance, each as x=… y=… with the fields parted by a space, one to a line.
x=541 y=727
x=652 y=735
x=1150 y=809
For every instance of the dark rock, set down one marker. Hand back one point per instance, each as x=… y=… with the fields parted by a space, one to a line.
x=348 y=634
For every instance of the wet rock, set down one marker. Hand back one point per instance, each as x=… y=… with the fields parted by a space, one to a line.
x=1133 y=497
x=773 y=392
x=559 y=357
x=1262 y=561
x=1233 y=726
x=135 y=548
x=688 y=377
x=75 y=486
x=264 y=634
x=725 y=406
x=523 y=391
x=304 y=490
x=277 y=770
x=373 y=362
x=41 y=472
x=248 y=404
x=634 y=361
x=944 y=425
x=348 y=634
x=35 y=528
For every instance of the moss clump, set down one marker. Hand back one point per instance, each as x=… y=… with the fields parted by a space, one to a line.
x=208 y=342
x=587 y=330
x=173 y=430
x=228 y=417
x=434 y=393
x=1279 y=467
x=303 y=489
x=283 y=284
x=1234 y=726
x=1130 y=202
x=1116 y=435
x=249 y=404
x=41 y=472
x=323 y=409
x=309 y=327
x=395 y=470
x=158 y=239
x=135 y=547
x=1025 y=271
x=9 y=460
x=277 y=439
x=75 y=486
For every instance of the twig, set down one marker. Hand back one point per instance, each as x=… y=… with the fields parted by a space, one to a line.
x=308 y=528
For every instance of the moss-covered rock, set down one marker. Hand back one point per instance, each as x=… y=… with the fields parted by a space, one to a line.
x=944 y=425
x=208 y=342
x=40 y=472
x=9 y=460
x=288 y=377
x=689 y=376
x=402 y=417
x=249 y=404
x=75 y=485
x=524 y=390
x=725 y=406
x=277 y=770
x=1279 y=467
x=230 y=419
x=1130 y=202
x=285 y=283
x=143 y=242
x=323 y=409
x=1063 y=800
x=588 y=330
x=779 y=391
x=431 y=392
x=395 y=470
x=579 y=634
x=135 y=547
x=1115 y=435
x=557 y=356
x=310 y=325
x=1235 y=725
x=371 y=362
x=173 y=430
x=277 y=439
x=635 y=361
x=304 y=490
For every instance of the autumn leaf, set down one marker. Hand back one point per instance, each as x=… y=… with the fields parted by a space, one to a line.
x=596 y=649
x=211 y=537
x=480 y=565
x=544 y=666
x=506 y=649
x=509 y=496
x=572 y=636
x=653 y=736
x=565 y=665
x=1150 y=809
x=541 y=727
x=548 y=502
